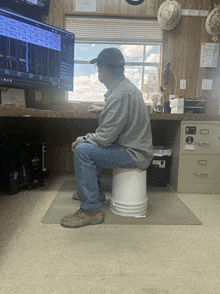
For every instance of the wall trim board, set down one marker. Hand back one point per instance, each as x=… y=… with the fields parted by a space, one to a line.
x=91 y=14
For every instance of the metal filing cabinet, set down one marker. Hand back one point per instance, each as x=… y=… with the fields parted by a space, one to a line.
x=199 y=157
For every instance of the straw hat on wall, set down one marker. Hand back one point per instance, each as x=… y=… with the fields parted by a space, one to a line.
x=213 y=22
x=169 y=14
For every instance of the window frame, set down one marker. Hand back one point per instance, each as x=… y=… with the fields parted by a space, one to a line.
x=142 y=64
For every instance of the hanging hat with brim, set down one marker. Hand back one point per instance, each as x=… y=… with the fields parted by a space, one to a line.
x=213 y=22
x=169 y=14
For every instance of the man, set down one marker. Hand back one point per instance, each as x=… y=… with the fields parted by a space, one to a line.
x=122 y=140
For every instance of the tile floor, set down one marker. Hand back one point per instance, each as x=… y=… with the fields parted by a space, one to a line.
x=43 y=259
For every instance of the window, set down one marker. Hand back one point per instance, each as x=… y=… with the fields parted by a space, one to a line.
x=142 y=56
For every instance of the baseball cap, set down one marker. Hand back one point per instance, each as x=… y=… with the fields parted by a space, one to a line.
x=110 y=58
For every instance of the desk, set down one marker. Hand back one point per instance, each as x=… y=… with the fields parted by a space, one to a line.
x=58 y=129
x=81 y=112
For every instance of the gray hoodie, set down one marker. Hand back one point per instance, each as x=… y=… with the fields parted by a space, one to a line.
x=124 y=121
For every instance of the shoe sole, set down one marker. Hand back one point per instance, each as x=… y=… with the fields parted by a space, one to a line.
x=101 y=200
x=92 y=223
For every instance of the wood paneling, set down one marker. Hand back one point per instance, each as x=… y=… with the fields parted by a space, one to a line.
x=58 y=21
x=102 y=8
x=113 y=7
x=138 y=9
x=181 y=46
x=67 y=6
x=124 y=7
x=110 y=7
x=151 y=7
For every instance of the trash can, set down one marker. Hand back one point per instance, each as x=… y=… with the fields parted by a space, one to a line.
x=158 y=173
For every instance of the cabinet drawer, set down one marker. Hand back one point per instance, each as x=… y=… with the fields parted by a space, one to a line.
x=199 y=169
x=200 y=138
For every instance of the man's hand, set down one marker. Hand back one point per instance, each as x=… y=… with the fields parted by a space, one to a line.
x=73 y=145
x=94 y=108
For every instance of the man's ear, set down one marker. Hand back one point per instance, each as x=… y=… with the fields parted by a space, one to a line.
x=104 y=69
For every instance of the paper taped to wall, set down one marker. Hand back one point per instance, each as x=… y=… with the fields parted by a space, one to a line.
x=13 y=97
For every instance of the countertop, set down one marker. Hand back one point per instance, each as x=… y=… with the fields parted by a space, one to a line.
x=82 y=113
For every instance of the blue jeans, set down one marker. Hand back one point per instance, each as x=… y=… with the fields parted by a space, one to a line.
x=87 y=159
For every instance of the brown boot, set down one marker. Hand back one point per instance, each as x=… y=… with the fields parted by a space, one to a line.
x=75 y=215
x=101 y=196
x=82 y=218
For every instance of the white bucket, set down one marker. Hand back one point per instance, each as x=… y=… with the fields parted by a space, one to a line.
x=129 y=192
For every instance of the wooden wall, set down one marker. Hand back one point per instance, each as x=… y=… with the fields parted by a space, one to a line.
x=110 y=7
x=181 y=46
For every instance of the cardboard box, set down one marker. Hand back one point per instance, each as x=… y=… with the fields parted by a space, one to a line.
x=177 y=102
x=177 y=109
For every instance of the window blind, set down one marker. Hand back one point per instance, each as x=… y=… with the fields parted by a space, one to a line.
x=114 y=30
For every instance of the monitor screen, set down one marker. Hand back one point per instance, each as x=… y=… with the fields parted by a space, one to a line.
x=33 y=9
x=34 y=54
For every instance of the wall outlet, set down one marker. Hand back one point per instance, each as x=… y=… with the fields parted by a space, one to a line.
x=206 y=84
x=37 y=95
x=182 y=84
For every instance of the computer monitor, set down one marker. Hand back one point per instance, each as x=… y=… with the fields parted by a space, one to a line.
x=34 y=54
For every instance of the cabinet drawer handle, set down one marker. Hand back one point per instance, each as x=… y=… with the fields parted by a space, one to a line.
x=203 y=143
x=201 y=175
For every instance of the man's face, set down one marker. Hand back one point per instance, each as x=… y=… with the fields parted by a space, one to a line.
x=101 y=74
